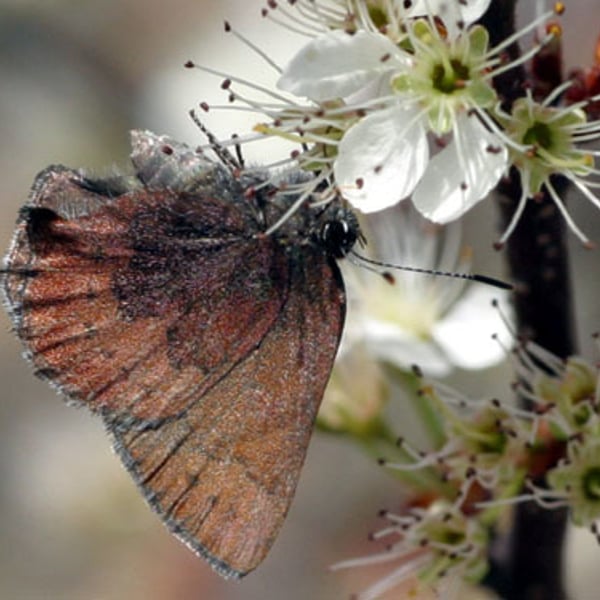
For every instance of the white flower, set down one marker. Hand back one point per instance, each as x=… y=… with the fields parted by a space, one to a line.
x=566 y=391
x=545 y=140
x=399 y=101
x=412 y=318
x=403 y=107
x=383 y=156
x=434 y=548
x=576 y=481
x=387 y=16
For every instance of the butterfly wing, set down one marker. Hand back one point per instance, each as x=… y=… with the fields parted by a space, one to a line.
x=205 y=347
x=223 y=473
x=136 y=305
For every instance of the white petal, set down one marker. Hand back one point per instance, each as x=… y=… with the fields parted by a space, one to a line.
x=454 y=14
x=465 y=334
x=451 y=185
x=471 y=10
x=398 y=347
x=337 y=64
x=387 y=151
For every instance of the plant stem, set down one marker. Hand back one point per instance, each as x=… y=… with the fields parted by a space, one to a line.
x=537 y=259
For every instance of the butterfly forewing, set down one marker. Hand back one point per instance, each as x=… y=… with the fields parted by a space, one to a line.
x=206 y=345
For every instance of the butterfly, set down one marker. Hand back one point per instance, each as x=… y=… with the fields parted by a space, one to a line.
x=158 y=300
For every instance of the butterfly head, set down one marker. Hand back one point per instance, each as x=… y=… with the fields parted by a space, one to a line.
x=338 y=233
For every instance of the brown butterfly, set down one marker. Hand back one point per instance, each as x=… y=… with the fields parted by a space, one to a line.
x=158 y=301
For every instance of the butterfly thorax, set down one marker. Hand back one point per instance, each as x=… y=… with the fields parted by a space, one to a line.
x=332 y=228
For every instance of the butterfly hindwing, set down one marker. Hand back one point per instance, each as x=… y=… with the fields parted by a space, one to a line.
x=222 y=475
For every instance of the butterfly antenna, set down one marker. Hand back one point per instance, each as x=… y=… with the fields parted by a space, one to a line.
x=226 y=157
x=369 y=263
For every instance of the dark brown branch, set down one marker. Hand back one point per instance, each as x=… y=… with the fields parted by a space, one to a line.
x=537 y=259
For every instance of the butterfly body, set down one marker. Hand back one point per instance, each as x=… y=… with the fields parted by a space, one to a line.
x=159 y=302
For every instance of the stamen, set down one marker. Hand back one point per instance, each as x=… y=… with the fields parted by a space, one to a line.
x=586 y=192
x=396 y=577
x=466 y=167
x=297 y=204
x=328 y=16
x=550 y=361
x=253 y=47
x=556 y=93
x=364 y=561
x=307 y=26
x=498 y=502
x=493 y=126
x=521 y=33
x=523 y=58
x=517 y=214
x=227 y=77
x=505 y=321
x=563 y=211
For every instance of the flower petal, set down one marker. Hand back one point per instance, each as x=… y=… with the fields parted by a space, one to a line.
x=356 y=392
x=402 y=349
x=461 y=174
x=465 y=334
x=455 y=15
x=337 y=64
x=381 y=158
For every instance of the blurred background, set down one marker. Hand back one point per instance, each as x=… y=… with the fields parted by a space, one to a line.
x=75 y=77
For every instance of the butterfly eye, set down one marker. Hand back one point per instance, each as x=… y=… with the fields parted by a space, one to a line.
x=338 y=237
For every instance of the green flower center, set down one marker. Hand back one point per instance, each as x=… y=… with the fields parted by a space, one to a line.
x=581 y=414
x=448 y=533
x=448 y=76
x=452 y=538
x=539 y=134
x=548 y=133
x=591 y=484
x=495 y=443
x=449 y=80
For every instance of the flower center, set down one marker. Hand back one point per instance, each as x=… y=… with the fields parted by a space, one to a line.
x=539 y=134
x=548 y=132
x=448 y=76
x=452 y=538
x=582 y=414
x=449 y=80
x=591 y=484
